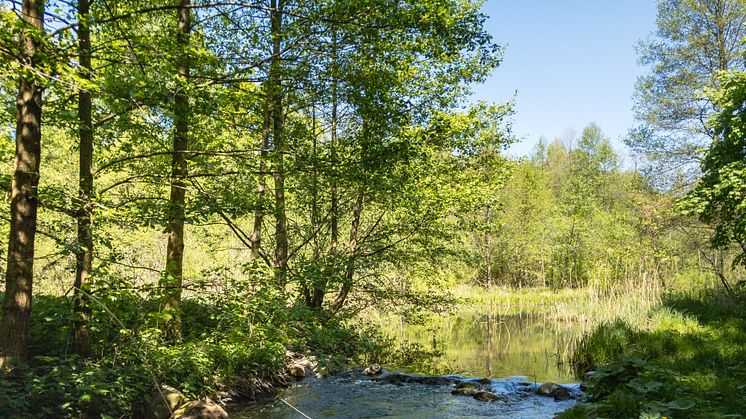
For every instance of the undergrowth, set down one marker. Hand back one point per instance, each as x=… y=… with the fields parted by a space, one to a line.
x=229 y=343
x=688 y=360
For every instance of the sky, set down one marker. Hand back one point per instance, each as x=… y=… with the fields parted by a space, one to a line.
x=568 y=63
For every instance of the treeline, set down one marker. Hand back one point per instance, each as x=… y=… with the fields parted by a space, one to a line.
x=573 y=214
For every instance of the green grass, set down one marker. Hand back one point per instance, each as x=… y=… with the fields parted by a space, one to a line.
x=587 y=307
x=687 y=360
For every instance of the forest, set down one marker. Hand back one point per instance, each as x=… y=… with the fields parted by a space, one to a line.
x=198 y=194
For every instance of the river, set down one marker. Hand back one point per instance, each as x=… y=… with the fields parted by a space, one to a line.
x=515 y=351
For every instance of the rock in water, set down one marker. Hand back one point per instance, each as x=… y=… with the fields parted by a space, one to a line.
x=396 y=379
x=547 y=388
x=562 y=393
x=431 y=380
x=468 y=385
x=296 y=370
x=164 y=402
x=488 y=396
x=464 y=391
x=554 y=390
x=373 y=369
x=200 y=409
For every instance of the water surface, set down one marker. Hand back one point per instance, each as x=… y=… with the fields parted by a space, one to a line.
x=359 y=397
x=484 y=343
x=481 y=342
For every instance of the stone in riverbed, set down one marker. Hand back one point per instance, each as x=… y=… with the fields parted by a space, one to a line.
x=296 y=370
x=372 y=370
x=547 y=389
x=164 y=402
x=554 y=390
x=433 y=380
x=396 y=379
x=200 y=409
x=488 y=396
x=562 y=394
x=468 y=384
x=464 y=391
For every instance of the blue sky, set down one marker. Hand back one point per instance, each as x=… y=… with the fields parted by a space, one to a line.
x=571 y=62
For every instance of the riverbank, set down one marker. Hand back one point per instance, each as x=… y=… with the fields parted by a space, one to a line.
x=230 y=347
x=649 y=350
x=687 y=360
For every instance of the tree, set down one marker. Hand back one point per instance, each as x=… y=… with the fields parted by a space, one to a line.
x=719 y=197
x=173 y=274
x=278 y=136
x=84 y=251
x=695 y=40
x=24 y=200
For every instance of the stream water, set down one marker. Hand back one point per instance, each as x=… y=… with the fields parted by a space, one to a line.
x=515 y=351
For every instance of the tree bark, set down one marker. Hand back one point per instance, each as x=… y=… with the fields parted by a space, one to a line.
x=310 y=292
x=334 y=211
x=281 y=229
x=173 y=275
x=84 y=251
x=320 y=290
x=351 y=257
x=24 y=201
x=488 y=248
x=261 y=189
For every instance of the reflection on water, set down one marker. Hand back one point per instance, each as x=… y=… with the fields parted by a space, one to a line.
x=486 y=343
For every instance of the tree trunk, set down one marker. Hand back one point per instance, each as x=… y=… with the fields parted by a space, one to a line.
x=256 y=235
x=310 y=292
x=281 y=229
x=173 y=276
x=351 y=256
x=84 y=251
x=488 y=248
x=23 y=204
x=320 y=291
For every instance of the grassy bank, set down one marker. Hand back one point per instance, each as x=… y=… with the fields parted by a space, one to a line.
x=652 y=352
x=687 y=360
x=588 y=306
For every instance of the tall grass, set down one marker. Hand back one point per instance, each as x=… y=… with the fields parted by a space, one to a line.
x=685 y=359
x=587 y=307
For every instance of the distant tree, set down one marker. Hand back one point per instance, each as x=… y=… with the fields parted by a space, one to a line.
x=719 y=197
x=694 y=41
